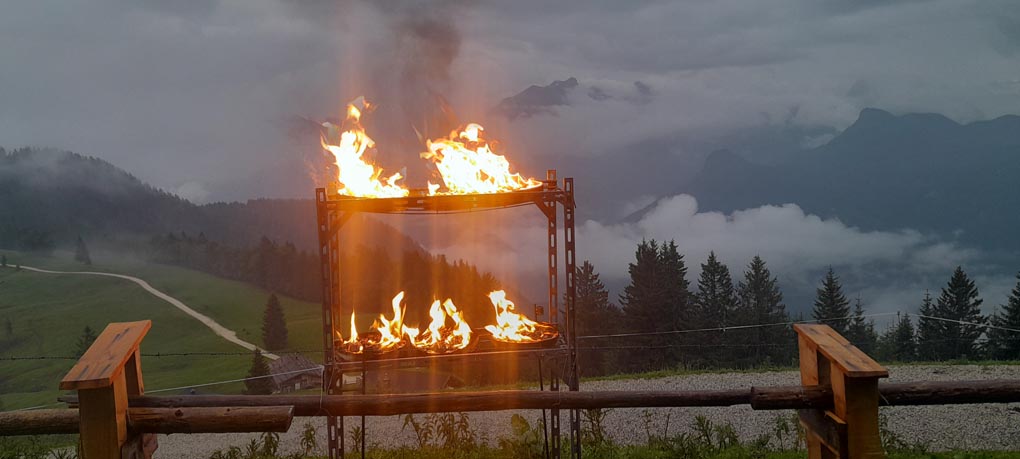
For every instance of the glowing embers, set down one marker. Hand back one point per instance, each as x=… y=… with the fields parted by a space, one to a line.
x=512 y=327
x=468 y=165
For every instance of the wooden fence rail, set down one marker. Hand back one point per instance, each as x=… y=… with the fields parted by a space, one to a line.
x=837 y=402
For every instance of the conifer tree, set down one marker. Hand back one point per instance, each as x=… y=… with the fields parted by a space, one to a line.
x=656 y=301
x=831 y=306
x=898 y=343
x=595 y=315
x=1004 y=340
x=81 y=252
x=676 y=295
x=258 y=382
x=861 y=331
x=3 y=260
x=88 y=336
x=959 y=302
x=274 y=326
x=761 y=302
x=929 y=331
x=713 y=306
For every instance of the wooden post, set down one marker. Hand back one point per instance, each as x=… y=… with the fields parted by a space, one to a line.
x=850 y=428
x=109 y=372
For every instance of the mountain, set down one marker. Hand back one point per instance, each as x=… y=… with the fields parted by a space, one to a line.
x=64 y=194
x=920 y=171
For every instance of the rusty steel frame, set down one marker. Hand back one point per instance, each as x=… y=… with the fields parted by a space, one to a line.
x=333 y=211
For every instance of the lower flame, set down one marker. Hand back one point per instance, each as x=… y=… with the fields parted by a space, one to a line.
x=513 y=327
x=387 y=334
x=440 y=338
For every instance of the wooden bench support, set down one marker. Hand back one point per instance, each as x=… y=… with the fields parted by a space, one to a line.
x=850 y=428
x=109 y=372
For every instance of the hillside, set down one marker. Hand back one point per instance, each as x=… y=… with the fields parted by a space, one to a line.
x=64 y=194
x=48 y=312
x=921 y=171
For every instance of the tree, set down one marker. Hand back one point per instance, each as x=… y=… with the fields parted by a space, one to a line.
x=831 y=306
x=713 y=306
x=85 y=341
x=958 y=311
x=861 y=331
x=258 y=381
x=1004 y=339
x=898 y=343
x=928 y=330
x=274 y=326
x=656 y=301
x=81 y=252
x=761 y=302
x=3 y=260
x=594 y=315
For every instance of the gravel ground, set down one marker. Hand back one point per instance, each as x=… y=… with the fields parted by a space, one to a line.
x=993 y=426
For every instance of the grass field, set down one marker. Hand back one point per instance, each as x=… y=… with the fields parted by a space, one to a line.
x=49 y=311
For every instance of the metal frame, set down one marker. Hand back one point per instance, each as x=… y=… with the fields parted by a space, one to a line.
x=332 y=211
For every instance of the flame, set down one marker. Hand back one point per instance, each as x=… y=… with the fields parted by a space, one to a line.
x=438 y=338
x=513 y=327
x=386 y=335
x=468 y=165
x=356 y=176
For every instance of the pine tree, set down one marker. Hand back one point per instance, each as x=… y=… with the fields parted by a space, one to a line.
x=929 y=331
x=258 y=382
x=85 y=341
x=595 y=316
x=861 y=332
x=713 y=306
x=761 y=302
x=831 y=306
x=1004 y=342
x=898 y=343
x=959 y=302
x=274 y=326
x=676 y=295
x=81 y=252
x=3 y=260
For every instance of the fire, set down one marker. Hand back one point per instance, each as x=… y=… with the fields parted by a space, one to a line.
x=386 y=334
x=358 y=177
x=439 y=338
x=468 y=165
x=513 y=327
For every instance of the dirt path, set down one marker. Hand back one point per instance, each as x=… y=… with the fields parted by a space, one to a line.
x=218 y=329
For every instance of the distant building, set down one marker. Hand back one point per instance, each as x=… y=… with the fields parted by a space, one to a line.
x=295 y=372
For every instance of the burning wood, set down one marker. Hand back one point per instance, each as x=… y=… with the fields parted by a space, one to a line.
x=512 y=327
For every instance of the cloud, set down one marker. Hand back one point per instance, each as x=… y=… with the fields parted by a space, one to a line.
x=889 y=269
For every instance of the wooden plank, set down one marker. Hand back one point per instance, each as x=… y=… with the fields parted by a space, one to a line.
x=38 y=422
x=852 y=361
x=828 y=428
x=105 y=359
x=855 y=400
x=103 y=420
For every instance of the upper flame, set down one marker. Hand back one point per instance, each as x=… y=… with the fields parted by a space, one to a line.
x=356 y=176
x=513 y=327
x=468 y=165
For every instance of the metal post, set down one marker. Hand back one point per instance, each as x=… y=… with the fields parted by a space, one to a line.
x=570 y=249
x=550 y=204
x=334 y=432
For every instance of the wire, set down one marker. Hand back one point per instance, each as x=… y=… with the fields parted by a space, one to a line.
x=731 y=327
x=995 y=327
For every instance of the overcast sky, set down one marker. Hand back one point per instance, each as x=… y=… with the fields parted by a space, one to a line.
x=195 y=96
